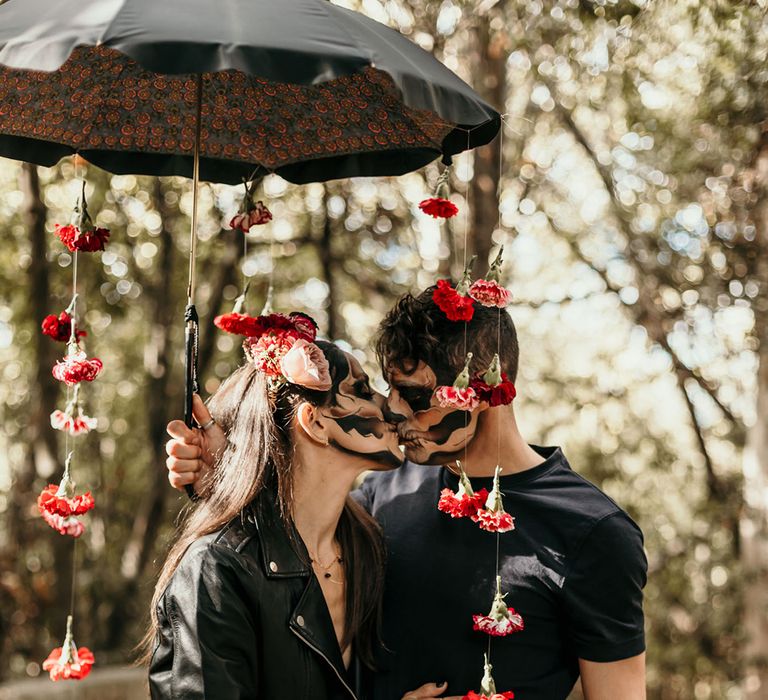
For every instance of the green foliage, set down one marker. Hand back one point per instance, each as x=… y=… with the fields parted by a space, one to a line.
x=630 y=206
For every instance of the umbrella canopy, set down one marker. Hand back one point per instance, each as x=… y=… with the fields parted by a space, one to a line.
x=301 y=88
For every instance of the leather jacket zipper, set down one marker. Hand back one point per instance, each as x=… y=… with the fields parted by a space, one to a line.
x=327 y=660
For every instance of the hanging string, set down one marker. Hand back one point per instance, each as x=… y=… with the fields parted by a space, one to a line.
x=74 y=577
x=501 y=169
x=466 y=238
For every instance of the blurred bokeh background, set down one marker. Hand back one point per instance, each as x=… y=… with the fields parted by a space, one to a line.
x=631 y=193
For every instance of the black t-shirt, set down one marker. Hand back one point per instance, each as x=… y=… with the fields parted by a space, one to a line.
x=574 y=568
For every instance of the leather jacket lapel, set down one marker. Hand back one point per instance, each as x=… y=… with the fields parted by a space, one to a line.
x=312 y=622
x=278 y=553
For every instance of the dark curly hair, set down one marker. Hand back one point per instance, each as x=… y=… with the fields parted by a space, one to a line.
x=415 y=330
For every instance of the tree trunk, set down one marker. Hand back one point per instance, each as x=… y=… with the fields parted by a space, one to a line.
x=754 y=523
x=492 y=52
x=326 y=261
x=233 y=254
x=157 y=361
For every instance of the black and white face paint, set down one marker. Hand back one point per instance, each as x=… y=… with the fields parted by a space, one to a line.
x=429 y=433
x=355 y=418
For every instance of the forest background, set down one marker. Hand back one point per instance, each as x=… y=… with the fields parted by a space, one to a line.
x=630 y=190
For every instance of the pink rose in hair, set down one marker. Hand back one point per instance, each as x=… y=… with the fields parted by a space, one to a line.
x=305 y=364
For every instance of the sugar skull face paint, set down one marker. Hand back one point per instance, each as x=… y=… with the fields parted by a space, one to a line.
x=429 y=433
x=355 y=417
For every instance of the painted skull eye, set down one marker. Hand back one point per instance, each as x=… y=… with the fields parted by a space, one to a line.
x=418 y=398
x=363 y=389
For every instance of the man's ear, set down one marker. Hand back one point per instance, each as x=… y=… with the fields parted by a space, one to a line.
x=312 y=424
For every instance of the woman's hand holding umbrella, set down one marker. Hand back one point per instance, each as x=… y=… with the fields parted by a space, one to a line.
x=193 y=451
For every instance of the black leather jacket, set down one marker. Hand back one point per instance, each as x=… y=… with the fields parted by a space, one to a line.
x=244 y=618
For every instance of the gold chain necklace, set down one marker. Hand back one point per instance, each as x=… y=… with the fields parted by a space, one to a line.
x=326 y=568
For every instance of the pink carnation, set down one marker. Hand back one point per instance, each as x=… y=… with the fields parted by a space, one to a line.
x=74 y=425
x=69 y=525
x=498 y=628
x=490 y=293
x=494 y=521
x=453 y=397
x=268 y=350
x=256 y=215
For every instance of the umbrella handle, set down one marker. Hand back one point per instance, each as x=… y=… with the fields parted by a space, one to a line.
x=191 y=335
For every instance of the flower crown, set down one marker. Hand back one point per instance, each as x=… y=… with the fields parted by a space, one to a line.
x=282 y=346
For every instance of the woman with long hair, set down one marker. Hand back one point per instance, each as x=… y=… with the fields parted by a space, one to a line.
x=272 y=587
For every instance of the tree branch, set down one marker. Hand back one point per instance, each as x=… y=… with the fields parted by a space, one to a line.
x=649 y=317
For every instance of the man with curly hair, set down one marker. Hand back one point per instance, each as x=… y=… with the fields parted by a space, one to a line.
x=573 y=569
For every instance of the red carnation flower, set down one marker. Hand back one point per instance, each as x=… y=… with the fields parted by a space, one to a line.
x=461 y=505
x=76 y=367
x=500 y=395
x=88 y=240
x=472 y=695
x=69 y=525
x=67 y=662
x=54 y=501
x=267 y=351
x=494 y=521
x=305 y=325
x=455 y=306
x=239 y=324
x=439 y=207
x=77 y=668
x=490 y=293
x=60 y=327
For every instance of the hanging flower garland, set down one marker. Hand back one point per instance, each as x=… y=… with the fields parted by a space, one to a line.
x=72 y=420
x=493 y=517
x=60 y=506
x=76 y=367
x=440 y=207
x=67 y=662
x=456 y=303
x=465 y=502
x=460 y=395
x=60 y=327
x=251 y=213
x=82 y=234
x=489 y=291
x=501 y=620
x=488 y=686
x=492 y=388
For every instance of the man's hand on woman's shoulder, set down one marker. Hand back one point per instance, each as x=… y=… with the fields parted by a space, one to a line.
x=193 y=451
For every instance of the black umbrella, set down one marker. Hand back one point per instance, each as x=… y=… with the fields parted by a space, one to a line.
x=225 y=91
x=301 y=88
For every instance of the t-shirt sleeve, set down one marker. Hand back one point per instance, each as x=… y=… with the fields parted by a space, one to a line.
x=603 y=592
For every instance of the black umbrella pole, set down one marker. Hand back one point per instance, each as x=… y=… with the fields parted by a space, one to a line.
x=191 y=320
